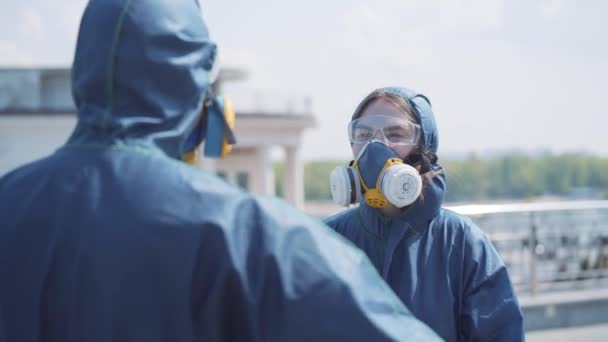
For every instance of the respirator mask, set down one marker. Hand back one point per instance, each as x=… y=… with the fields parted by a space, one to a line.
x=377 y=172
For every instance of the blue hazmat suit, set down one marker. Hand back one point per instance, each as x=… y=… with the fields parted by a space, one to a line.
x=441 y=265
x=113 y=238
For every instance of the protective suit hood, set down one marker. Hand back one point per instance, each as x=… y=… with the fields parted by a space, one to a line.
x=140 y=73
x=422 y=110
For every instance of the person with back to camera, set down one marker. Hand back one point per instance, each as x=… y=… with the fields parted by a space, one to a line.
x=115 y=238
x=441 y=265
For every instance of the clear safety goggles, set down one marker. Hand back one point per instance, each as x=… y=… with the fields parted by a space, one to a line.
x=396 y=130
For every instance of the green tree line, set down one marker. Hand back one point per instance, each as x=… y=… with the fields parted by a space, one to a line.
x=513 y=176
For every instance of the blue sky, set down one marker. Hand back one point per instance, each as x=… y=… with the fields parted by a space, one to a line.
x=502 y=75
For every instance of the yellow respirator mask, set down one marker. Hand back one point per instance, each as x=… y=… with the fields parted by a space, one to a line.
x=374 y=196
x=393 y=181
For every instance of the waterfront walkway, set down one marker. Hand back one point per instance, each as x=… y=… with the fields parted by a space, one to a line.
x=558 y=310
x=588 y=333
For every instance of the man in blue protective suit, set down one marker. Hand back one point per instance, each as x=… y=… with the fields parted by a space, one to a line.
x=441 y=265
x=114 y=238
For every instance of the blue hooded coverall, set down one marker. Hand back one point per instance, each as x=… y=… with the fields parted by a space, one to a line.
x=441 y=265
x=112 y=238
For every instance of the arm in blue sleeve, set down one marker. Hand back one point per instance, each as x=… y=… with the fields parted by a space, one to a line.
x=491 y=311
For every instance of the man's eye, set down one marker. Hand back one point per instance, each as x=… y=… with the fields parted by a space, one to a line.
x=400 y=133
x=396 y=135
x=362 y=133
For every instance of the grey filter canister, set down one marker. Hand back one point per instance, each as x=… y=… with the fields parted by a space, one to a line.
x=401 y=185
x=344 y=185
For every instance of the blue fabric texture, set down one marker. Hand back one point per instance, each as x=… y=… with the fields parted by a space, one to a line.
x=441 y=265
x=112 y=238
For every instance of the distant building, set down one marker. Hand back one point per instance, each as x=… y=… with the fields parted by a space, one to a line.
x=37 y=114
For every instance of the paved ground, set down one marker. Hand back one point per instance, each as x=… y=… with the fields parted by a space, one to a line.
x=588 y=333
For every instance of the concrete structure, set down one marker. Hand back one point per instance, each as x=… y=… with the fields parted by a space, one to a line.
x=37 y=115
x=250 y=164
x=565 y=309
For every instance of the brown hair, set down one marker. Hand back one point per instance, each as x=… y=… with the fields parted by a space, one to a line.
x=395 y=99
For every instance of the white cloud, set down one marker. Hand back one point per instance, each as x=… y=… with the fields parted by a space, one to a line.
x=12 y=55
x=33 y=23
x=471 y=15
x=379 y=35
x=552 y=8
x=69 y=16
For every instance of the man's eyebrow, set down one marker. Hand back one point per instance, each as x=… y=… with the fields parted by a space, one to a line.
x=394 y=128
x=364 y=126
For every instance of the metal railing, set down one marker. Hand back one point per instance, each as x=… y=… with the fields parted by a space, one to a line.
x=548 y=246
